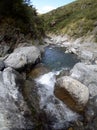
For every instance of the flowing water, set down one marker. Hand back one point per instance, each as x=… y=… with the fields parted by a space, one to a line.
x=55 y=59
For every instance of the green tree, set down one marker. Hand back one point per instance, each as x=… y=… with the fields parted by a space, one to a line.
x=24 y=15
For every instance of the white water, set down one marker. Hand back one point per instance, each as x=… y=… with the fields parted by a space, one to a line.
x=51 y=104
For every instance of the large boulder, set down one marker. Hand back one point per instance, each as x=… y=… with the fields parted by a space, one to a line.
x=23 y=56
x=14 y=113
x=86 y=74
x=71 y=92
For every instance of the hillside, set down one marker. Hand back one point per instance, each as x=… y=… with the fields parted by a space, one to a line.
x=19 y=21
x=76 y=19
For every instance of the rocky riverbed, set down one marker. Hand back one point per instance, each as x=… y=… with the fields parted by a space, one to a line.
x=34 y=97
x=86 y=73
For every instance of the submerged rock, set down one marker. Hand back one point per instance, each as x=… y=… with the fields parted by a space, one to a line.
x=86 y=74
x=37 y=71
x=23 y=56
x=71 y=92
x=14 y=113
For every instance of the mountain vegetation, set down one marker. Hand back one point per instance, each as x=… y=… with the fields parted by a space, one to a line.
x=76 y=19
x=19 y=17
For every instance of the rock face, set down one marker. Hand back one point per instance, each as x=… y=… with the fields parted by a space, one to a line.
x=23 y=56
x=72 y=92
x=86 y=74
x=13 y=109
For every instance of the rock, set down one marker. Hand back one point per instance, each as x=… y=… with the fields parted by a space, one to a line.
x=2 y=65
x=86 y=74
x=90 y=116
x=71 y=50
x=91 y=109
x=37 y=71
x=13 y=109
x=4 y=48
x=86 y=56
x=22 y=56
x=71 y=92
x=96 y=62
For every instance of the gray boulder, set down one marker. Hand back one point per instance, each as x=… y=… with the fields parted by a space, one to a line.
x=86 y=74
x=23 y=56
x=72 y=92
x=13 y=108
x=86 y=56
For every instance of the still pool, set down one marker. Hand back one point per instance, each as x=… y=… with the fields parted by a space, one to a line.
x=55 y=58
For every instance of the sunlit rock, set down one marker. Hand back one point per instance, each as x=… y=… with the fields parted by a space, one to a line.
x=71 y=92
x=86 y=74
x=23 y=56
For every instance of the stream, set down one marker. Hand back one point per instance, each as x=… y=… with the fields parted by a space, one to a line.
x=55 y=58
x=60 y=116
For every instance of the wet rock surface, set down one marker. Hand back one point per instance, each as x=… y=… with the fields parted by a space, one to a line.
x=37 y=71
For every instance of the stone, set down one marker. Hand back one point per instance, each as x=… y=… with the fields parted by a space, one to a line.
x=23 y=56
x=4 y=48
x=13 y=108
x=90 y=116
x=2 y=65
x=37 y=71
x=72 y=92
x=87 y=75
x=86 y=55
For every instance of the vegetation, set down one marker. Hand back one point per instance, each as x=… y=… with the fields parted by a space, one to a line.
x=76 y=19
x=20 y=15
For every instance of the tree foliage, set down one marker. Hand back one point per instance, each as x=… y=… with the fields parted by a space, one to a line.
x=24 y=16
